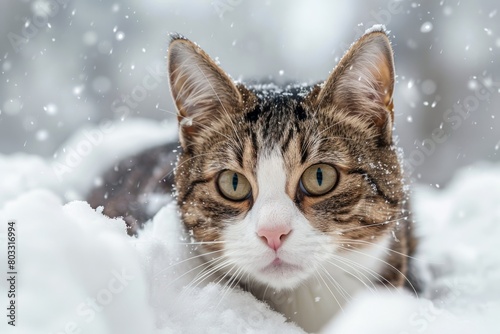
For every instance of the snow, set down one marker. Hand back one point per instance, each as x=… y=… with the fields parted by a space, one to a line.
x=80 y=272
x=376 y=28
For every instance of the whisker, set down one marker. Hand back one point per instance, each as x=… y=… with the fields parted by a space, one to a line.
x=208 y=263
x=371 y=225
x=331 y=292
x=357 y=277
x=387 y=263
x=227 y=285
x=353 y=241
x=204 y=275
x=352 y=264
x=336 y=284
x=185 y=260
x=201 y=242
x=207 y=272
x=265 y=291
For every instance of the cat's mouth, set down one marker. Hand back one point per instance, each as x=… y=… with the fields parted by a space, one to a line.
x=280 y=268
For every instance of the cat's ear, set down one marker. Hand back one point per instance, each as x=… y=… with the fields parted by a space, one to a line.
x=202 y=91
x=363 y=82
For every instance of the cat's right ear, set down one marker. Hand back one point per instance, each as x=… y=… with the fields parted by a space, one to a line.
x=363 y=82
x=202 y=91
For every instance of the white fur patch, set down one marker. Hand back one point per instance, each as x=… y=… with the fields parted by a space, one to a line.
x=271 y=208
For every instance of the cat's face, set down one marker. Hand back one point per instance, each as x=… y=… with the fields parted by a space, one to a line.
x=277 y=182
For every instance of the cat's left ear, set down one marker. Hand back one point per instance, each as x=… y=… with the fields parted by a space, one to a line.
x=363 y=81
x=202 y=91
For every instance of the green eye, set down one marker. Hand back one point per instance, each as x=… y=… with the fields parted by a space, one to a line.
x=233 y=185
x=318 y=179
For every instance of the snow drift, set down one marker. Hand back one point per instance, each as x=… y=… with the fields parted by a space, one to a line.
x=79 y=272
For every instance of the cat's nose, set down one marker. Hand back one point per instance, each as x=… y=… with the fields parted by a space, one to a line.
x=274 y=236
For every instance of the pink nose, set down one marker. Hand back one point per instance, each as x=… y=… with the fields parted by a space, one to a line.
x=274 y=236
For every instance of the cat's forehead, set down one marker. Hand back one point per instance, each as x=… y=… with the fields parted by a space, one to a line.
x=279 y=100
x=277 y=110
x=277 y=119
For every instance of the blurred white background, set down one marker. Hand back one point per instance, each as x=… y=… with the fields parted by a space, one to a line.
x=66 y=64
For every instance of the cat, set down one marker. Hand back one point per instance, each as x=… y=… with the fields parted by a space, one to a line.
x=299 y=188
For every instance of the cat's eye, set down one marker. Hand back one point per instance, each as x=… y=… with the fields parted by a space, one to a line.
x=233 y=185
x=318 y=179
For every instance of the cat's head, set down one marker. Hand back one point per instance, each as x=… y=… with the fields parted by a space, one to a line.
x=275 y=181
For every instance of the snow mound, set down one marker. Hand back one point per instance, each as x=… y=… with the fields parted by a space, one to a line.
x=77 y=165
x=77 y=270
x=80 y=272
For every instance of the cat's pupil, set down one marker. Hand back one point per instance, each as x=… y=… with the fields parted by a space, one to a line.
x=235 y=181
x=319 y=176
